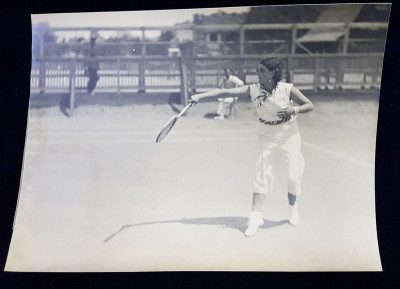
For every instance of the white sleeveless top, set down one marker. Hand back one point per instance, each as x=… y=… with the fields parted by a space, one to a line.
x=267 y=105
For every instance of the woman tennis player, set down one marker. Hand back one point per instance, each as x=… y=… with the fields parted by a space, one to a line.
x=277 y=105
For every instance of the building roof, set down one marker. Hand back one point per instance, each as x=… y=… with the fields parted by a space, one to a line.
x=284 y=14
x=220 y=18
x=332 y=14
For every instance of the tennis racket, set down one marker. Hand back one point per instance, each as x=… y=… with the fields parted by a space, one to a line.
x=170 y=124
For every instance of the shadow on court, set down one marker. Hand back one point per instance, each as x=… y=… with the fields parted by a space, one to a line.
x=237 y=223
x=211 y=115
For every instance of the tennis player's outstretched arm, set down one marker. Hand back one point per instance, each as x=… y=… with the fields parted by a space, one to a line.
x=243 y=91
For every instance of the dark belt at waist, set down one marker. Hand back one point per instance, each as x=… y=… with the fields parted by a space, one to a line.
x=275 y=122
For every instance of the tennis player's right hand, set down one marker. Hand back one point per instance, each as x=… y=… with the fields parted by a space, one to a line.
x=193 y=99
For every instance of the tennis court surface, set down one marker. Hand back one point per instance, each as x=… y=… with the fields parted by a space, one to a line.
x=99 y=194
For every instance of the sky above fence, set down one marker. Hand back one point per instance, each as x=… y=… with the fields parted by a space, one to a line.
x=129 y=18
x=125 y=19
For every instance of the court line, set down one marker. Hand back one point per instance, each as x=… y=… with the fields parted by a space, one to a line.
x=224 y=138
x=342 y=156
x=122 y=141
x=132 y=132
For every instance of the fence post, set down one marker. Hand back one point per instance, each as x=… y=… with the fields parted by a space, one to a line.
x=142 y=69
x=294 y=40
x=184 y=86
x=42 y=76
x=241 y=40
x=142 y=76
x=316 y=74
x=42 y=66
x=118 y=76
x=218 y=70
x=144 y=50
x=72 y=87
x=195 y=40
x=346 y=38
x=289 y=70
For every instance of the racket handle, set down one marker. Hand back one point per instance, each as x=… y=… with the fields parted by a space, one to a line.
x=185 y=109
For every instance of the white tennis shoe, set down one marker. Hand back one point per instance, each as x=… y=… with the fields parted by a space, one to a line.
x=294 y=215
x=255 y=221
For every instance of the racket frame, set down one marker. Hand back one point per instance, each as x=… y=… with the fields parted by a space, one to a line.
x=173 y=120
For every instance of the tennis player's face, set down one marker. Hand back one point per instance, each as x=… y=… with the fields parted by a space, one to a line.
x=264 y=75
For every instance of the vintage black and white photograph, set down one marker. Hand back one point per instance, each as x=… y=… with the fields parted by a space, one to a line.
x=212 y=139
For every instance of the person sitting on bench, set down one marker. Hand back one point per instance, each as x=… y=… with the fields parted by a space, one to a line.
x=229 y=81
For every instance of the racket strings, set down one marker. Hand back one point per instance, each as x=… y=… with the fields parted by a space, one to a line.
x=164 y=132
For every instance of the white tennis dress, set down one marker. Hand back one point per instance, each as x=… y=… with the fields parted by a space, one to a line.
x=280 y=165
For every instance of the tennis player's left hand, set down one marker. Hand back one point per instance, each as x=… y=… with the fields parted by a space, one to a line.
x=286 y=112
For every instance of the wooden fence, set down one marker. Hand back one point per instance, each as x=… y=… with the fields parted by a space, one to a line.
x=165 y=74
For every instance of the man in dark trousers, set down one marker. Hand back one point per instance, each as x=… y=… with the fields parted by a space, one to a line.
x=92 y=70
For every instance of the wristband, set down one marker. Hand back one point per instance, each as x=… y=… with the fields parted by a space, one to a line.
x=296 y=110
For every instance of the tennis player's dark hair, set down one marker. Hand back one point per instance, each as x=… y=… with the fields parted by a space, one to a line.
x=273 y=64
